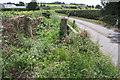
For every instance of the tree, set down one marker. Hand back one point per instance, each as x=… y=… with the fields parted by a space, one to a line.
x=21 y=3
x=98 y=6
x=92 y=6
x=89 y=6
x=9 y=3
x=118 y=14
x=104 y=2
x=79 y=7
x=58 y=2
x=111 y=8
x=43 y=5
x=32 y=6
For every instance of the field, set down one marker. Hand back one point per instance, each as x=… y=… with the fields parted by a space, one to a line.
x=59 y=5
x=46 y=55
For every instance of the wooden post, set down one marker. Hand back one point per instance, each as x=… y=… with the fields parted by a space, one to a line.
x=63 y=28
x=73 y=23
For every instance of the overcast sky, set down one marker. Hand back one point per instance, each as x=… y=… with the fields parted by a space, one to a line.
x=88 y=2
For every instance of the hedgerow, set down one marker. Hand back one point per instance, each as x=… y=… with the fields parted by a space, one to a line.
x=110 y=20
x=91 y=14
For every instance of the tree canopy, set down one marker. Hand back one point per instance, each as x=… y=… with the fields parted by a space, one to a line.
x=32 y=6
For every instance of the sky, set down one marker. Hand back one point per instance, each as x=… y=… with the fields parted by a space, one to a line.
x=88 y=2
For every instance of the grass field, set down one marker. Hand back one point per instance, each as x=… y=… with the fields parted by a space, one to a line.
x=59 y=5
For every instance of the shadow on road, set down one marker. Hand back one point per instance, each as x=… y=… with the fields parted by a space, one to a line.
x=115 y=38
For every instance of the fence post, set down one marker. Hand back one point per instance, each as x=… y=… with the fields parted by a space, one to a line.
x=63 y=28
x=73 y=23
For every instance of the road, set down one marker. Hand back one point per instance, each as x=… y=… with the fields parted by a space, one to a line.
x=109 y=40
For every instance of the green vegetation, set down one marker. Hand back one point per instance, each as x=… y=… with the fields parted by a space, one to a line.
x=111 y=13
x=49 y=6
x=47 y=56
x=46 y=14
x=91 y=15
x=32 y=6
x=59 y=5
x=32 y=14
x=109 y=19
x=98 y=7
x=14 y=9
x=90 y=20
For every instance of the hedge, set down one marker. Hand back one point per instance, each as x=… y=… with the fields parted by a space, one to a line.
x=90 y=14
x=14 y=9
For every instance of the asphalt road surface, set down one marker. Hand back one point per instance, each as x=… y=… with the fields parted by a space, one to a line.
x=109 y=40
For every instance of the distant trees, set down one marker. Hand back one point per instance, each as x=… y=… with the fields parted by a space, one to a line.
x=20 y=4
x=32 y=6
x=42 y=5
x=9 y=3
x=56 y=2
x=74 y=4
x=98 y=7
x=119 y=14
x=104 y=2
x=112 y=9
x=92 y=6
x=89 y=6
x=17 y=4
